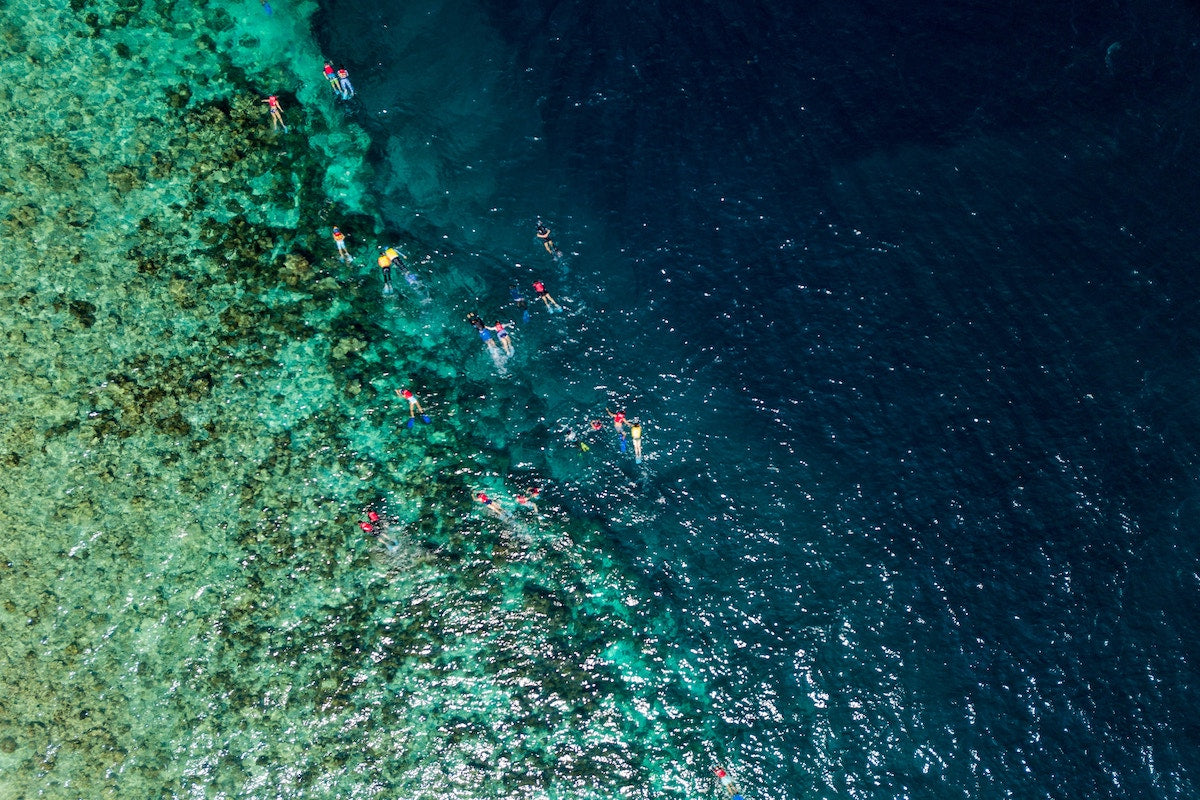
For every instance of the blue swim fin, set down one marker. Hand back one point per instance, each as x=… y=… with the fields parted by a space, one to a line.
x=425 y=418
x=525 y=316
x=267 y=8
x=411 y=422
x=622 y=444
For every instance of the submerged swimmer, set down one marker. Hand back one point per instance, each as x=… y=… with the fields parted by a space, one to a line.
x=344 y=84
x=519 y=298
x=414 y=407
x=618 y=423
x=543 y=233
x=527 y=501
x=482 y=329
x=276 y=112
x=385 y=266
x=502 y=335
x=332 y=78
x=727 y=782
x=545 y=297
x=339 y=239
x=491 y=504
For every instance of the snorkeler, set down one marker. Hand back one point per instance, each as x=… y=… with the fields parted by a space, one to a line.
x=484 y=333
x=502 y=335
x=414 y=406
x=339 y=239
x=276 y=111
x=727 y=782
x=543 y=233
x=394 y=256
x=635 y=433
x=491 y=504
x=519 y=298
x=385 y=266
x=344 y=82
x=545 y=297
x=528 y=501
x=618 y=421
x=331 y=76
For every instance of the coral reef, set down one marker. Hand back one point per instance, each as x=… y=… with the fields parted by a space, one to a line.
x=197 y=410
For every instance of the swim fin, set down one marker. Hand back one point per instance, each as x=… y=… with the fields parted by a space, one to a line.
x=411 y=422
x=388 y=291
x=425 y=418
x=267 y=9
x=622 y=444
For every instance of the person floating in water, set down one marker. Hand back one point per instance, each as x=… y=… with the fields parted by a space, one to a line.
x=544 y=296
x=414 y=407
x=519 y=298
x=491 y=504
x=331 y=76
x=276 y=112
x=484 y=333
x=339 y=239
x=635 y=433
x=502 y=335
x=619 y=424
x=727 y=783
x=344 y=83
x=527 y=501
x=385 y=266
x=543 y=233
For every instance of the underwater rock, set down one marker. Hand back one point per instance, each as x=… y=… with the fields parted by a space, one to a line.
x=175 y=425
x=21 y=218
x=179 y=96
x=345 y=347
x=34 y=176
x=79 y=216
x=296 y=269
x=181 y=292
x=125 y=180
x=83 y=311
x=199 y=386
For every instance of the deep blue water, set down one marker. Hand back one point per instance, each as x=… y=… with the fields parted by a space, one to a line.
x=905 y=297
